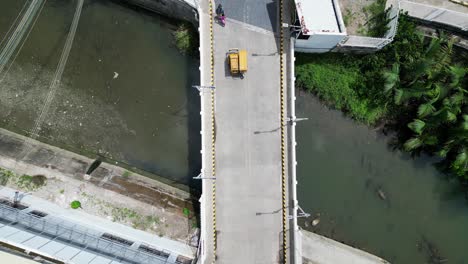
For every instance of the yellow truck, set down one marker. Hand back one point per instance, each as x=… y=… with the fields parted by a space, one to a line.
x=237 y=60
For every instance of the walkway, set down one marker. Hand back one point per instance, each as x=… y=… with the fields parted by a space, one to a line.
x=242 y=210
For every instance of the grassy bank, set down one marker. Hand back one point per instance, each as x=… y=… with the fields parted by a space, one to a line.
x=416 y=85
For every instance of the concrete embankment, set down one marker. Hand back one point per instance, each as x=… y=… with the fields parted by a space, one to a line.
x=317 y=249
x=27 y=156
x=179 y=9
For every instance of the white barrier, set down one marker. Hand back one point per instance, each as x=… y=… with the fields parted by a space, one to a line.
x=292 y=103
x=203 y=58
x=429 y=13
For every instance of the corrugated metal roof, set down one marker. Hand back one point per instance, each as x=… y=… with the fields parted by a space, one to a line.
x=317 y=16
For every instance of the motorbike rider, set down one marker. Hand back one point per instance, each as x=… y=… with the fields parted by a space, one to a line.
x=220 y=11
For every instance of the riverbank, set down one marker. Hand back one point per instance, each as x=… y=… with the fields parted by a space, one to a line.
x=109 y=191
x=341 y=167
x=179 y=9
x=125 y=95
x=415 y=86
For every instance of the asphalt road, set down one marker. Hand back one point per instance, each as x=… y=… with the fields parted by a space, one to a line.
x=259 y=13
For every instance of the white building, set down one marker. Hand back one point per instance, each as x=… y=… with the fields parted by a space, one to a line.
x=321 y=25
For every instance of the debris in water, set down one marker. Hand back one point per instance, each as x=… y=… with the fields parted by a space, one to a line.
x=116 y=75
x=81 y=124
x=432 y=251
x=381 y=194
x=315 y=221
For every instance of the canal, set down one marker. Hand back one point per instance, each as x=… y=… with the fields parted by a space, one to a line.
x=343 y=166
x=125 y=93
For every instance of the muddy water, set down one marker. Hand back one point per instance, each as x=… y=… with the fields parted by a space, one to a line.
x=125 y=93
x=342 y=167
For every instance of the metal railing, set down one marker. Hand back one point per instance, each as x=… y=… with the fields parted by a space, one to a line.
x=78 y=237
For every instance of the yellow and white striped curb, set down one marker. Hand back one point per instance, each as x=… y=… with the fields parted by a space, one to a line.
x=213 y=149
x=283 y=138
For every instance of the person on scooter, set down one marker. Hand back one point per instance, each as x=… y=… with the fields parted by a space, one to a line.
x=219 y=10
x=220 y=14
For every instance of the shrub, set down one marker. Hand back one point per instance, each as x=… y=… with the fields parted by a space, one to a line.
x=75 y=204
x=336 y=79
x=31 y=183
x=186 y=39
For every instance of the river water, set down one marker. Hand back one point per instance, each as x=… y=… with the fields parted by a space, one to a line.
x=126 y=94
x=341 y=168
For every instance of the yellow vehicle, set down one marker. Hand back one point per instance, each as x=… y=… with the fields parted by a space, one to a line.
x=237 y=62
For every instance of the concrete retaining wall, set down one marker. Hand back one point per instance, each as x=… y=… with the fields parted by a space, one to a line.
x=317 y=249
x=180 y=9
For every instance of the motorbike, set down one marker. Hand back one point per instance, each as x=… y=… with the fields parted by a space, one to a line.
x=220 y=17
x=221 y=20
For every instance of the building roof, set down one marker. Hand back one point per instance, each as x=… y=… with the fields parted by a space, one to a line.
x=317 y=16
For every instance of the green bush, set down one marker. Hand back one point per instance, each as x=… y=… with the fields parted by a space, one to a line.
x=336 y=79
x=186 y=212
x=377 y=25
x=75 y=204
x=31 y=183
x=418 y=84
x=186 y=39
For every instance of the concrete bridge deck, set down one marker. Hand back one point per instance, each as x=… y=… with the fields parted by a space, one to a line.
x=244 y=144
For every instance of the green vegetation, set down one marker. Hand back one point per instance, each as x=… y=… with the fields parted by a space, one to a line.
x=186 y=212
x=348 y=17
x=75 y=204
x=414 y=84
x=5 y=176
x=377 y=16
x=337 y=80
x=127 y=174
x=186 y=39
x=31 y=183
x=23 y=182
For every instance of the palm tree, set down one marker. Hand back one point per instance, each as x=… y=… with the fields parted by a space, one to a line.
x=435 y=87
